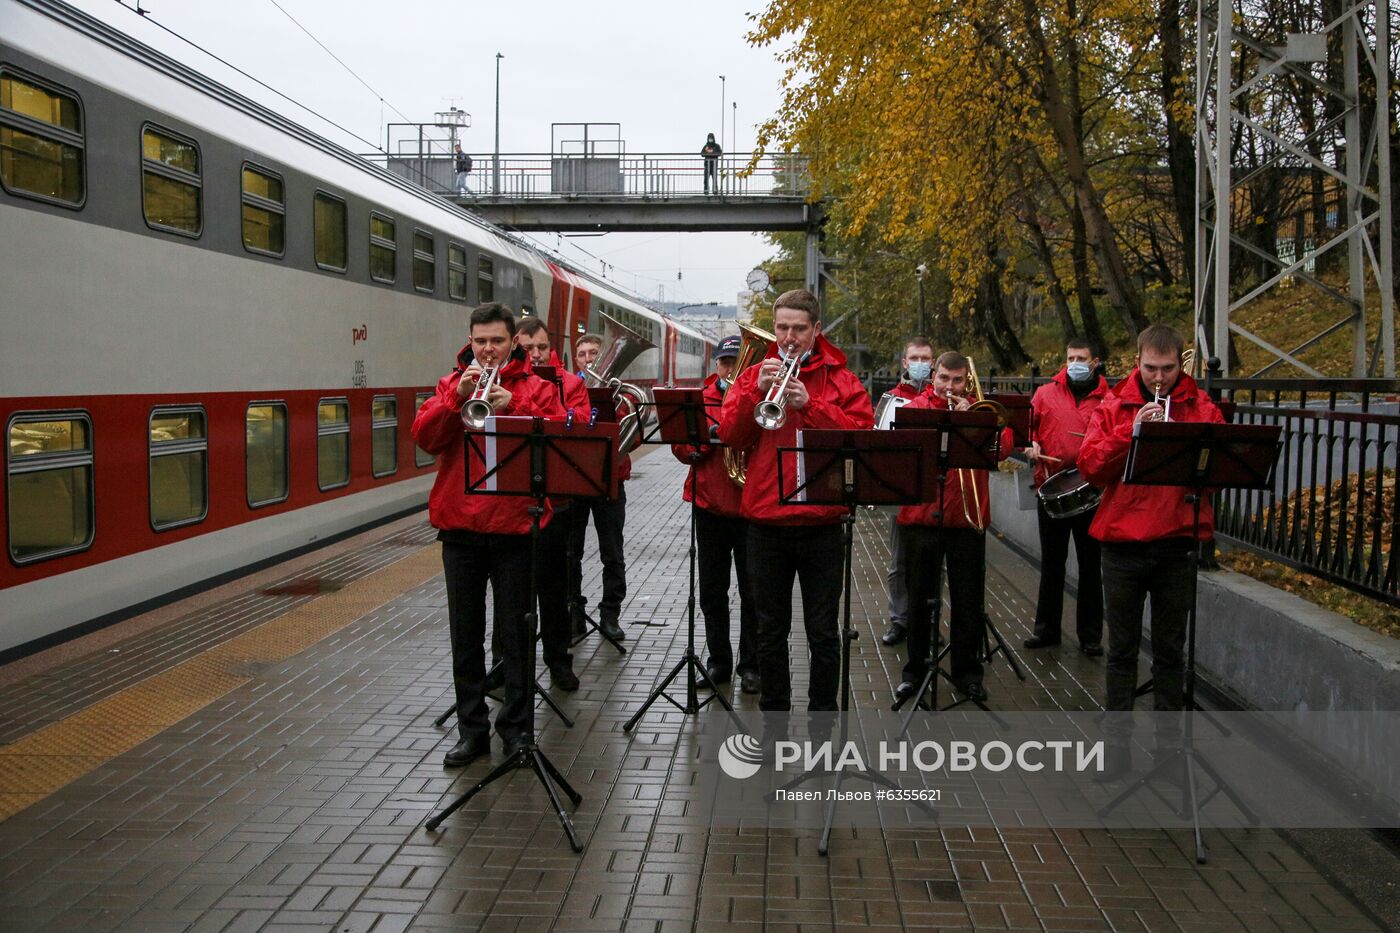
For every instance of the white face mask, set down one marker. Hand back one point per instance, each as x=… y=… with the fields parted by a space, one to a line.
x=1078 y=372
x=919 y=371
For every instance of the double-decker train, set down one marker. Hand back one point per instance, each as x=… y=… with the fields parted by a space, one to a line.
x=217 y=327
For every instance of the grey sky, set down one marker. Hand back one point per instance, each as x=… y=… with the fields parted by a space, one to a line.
x=652 y=66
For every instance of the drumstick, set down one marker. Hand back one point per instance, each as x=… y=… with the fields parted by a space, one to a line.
x=1075 y=433
x=1048 y=457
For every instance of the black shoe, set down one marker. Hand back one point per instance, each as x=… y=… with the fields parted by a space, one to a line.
x=905 y=690
x=1040 y=641
x=563 y=677
x=1093 y=649
x=495 y=679
x=896 y=634
x=467 y=751
x=972 y=689
x=578 y=627
x=749 y=681
x=718 y=675
x=1117 y=762
x=611 y=629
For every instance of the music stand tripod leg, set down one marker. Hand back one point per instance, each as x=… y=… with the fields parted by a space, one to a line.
x=690 y=661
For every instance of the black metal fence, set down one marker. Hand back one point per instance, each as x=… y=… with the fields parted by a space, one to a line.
x=1332 y=510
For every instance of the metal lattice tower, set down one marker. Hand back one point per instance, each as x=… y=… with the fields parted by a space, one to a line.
x=1297 y=110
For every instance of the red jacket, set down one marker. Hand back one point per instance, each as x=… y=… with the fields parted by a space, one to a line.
x=1055 y=413
x=718 y=494
x=838 y=400
x=438 y=429
x=954 y=516
x=574 y=393
x=1140 y=513
x=903 y=389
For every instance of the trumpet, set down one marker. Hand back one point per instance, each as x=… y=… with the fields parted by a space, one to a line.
x=477 y=409
x=1165 y=402
x=771 y=413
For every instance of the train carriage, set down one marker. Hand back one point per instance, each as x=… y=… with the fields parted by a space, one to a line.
x=218 y=326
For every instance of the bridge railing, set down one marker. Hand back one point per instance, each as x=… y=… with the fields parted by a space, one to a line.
x=648 y=175
x=1332 y=510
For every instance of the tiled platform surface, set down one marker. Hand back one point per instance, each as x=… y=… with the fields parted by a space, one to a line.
x=296 y=801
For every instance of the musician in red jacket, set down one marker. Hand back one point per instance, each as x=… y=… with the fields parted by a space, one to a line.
x=1146 y=534
x=555 y=635
x=1060 y=415
x=721 y=534
x=484 y=538
x=952 y=531
x=917 y=366
x=788 y=541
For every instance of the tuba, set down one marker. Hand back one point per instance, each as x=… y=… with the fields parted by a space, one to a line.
x=626 y=346
x=753 y=346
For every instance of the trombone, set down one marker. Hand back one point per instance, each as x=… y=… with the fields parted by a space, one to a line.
x=980 y=403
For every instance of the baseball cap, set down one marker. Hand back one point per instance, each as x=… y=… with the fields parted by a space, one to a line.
x=729 y=346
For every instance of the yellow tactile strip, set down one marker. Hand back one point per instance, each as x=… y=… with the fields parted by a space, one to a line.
x=43 y=761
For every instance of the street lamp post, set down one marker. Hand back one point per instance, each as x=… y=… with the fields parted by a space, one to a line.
x=734 y=127
x=721 y=111
x=496 y=155
x=919 y=272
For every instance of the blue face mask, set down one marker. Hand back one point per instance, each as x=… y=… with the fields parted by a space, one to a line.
x=919 y=371
x=802 y=360
x=1078 y=372
x=723 y=384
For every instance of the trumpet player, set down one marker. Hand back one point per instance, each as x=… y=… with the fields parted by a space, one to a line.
x=916 y=373
x=802 y=383
x=1146 y=537
x=721 y=534
x=485 y=539
x=1061 y=410
x=609 y=520
x=953 y=531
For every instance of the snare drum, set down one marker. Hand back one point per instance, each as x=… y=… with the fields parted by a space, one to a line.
x=1067 y=494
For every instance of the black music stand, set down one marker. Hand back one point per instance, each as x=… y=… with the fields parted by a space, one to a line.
x=1198 y=456
x=833 y=466
x=684 y=417
x=539 y=463
x=966 y=440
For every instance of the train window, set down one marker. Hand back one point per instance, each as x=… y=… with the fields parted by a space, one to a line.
x=424 y=262
x=456 y=272
x=171 y=185
x=332 y=443
x=265 y=433
x=384 y=435
x=383 y=248
x=420 y=456
x=329 y=232
x=49 y=493
x=179 y=467
x=41 y=141
x=485 y=279
x=264 y=212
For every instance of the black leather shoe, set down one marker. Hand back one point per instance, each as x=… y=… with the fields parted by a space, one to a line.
x=611 y=629
x=1040 y=641
x=895 y=635
x=495 y=680
x=905 y=690
x=467 y=751
x=973 y=690
x=1093 y=649
x=1117 y=762
x=563 y=677
x=749 y=682
x=578 y=627
x=718 y=676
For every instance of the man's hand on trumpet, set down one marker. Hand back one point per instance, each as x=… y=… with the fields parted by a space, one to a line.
x=796 y=395
x=470 y=377
x=1150 y=412
x=768 y=372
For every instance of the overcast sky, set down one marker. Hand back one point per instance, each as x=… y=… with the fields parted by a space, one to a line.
x=652 y=66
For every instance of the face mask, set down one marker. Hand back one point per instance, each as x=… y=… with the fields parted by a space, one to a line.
x=723 y=384
x=920 y=370
x=1078 y=372
x=802 y=360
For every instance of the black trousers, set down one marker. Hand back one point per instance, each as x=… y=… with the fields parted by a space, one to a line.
x=470 y=562
x=718 y=540
x=609 y=518
x=1131 y=573
x=926 y=550
x=555 y=635
x=1055 y=534
x=812 y=554
x=711 y=174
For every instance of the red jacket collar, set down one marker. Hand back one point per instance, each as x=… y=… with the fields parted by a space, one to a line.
x=1062 y=379
x=1130 y=389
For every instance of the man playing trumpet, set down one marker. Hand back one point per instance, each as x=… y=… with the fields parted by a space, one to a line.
x=787 y=541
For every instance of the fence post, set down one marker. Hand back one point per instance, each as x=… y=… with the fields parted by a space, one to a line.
x=1208 y=561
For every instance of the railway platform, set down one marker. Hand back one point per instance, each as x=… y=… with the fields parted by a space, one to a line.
x=263 y=757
